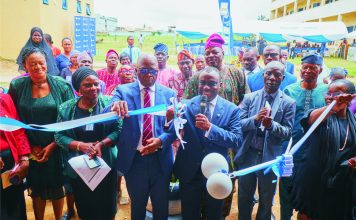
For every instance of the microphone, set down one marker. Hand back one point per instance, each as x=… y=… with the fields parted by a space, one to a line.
x=203 y=104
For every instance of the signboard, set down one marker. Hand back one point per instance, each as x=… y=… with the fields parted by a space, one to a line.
x=351 y=54
x=84 y=34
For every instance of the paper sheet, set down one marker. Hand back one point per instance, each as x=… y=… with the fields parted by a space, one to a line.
x=91 y=177
x=5 y=179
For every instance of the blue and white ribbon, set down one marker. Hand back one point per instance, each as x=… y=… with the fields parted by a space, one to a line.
x=280 y=162
x=9 y=124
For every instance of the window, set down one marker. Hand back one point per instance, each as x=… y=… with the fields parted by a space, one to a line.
x=351 y=29
x=45 y=2
x=328 y=1
x=316 y=4
x=79 y=6
x=300 y=9
x=64 y=4
x=88 y=9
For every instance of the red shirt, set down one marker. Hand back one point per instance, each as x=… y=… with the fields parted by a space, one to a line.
x=55 y=50
x=110 y=80
x=17 y=140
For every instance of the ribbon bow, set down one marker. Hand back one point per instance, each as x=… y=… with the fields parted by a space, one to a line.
x=178 y=121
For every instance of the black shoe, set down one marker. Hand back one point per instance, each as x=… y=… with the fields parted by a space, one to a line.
x=68 y=215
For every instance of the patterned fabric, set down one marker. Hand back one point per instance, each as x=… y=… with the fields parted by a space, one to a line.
x=178 y=83
x=164 y=75
x=233 y=89
x=147 y=118
x=109 y=79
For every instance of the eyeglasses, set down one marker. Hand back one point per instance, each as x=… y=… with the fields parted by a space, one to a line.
x=277 y=75
x=332 y=95
x=272 y=55
x=210 y=83
x=145 y=71
x=124 y=70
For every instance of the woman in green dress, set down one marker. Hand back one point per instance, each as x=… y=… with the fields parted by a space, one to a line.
x=37 y=98
x=94 y=140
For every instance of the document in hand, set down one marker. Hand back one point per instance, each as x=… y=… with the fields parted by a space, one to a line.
x=91 y=177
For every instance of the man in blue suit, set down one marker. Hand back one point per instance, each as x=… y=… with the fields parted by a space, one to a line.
x=215 y=130
x=261 y=145
x=270 y=53
x=146 y=169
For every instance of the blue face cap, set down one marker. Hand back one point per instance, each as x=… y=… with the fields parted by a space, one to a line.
x=161 y=48
x=313 y=59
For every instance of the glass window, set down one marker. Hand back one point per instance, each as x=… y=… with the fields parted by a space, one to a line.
x=88 y=9
x=64 y=4
x=79 y=6
x=45 y=2
x=316 y=4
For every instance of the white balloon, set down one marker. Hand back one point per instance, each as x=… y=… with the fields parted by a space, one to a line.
x=219 y=185
x=213 y=163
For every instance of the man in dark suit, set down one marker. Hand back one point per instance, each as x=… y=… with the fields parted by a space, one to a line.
x=146 y=168
x=270 y=53
x=261 y=145
x=215 y=130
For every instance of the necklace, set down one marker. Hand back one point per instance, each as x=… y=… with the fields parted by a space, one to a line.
x=39 y=84
x=347 y=135
x=90 y=109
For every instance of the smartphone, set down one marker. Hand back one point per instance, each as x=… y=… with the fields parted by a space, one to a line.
x=93 y=163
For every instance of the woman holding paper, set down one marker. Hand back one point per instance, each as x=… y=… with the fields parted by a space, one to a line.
x=94 y=140
x=14 y=151
x=323 y=187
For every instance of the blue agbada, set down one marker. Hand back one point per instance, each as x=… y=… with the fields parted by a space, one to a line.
x=305 y=100
x=255 y=81
x=51 y=63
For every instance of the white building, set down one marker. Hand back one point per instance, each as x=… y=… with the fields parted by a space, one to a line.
x=315 y=11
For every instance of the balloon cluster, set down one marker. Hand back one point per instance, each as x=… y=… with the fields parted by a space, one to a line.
x=216 y=169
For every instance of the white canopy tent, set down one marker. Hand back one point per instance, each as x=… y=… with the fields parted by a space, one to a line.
x=319 y=32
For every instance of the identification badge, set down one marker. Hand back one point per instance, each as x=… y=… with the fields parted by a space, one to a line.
x=69 y=78
x=89 y=127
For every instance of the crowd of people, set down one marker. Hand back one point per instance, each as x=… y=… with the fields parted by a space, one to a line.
x=250 y=115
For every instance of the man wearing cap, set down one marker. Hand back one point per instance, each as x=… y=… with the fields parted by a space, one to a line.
x=110 y=75
x=234 y=85
x=308 y=94
x=179 y=81
x=131 y=50
x=270 y=53
x=264 y=128
x=146 y=168
x=164 y=72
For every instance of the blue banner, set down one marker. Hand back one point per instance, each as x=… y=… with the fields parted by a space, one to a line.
x=84 y=34
x=224 y=8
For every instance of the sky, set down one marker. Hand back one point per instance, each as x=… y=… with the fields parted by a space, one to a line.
x=184 y=14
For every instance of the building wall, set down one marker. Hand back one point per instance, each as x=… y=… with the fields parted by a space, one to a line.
x=17 y=17
x=342 y=10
